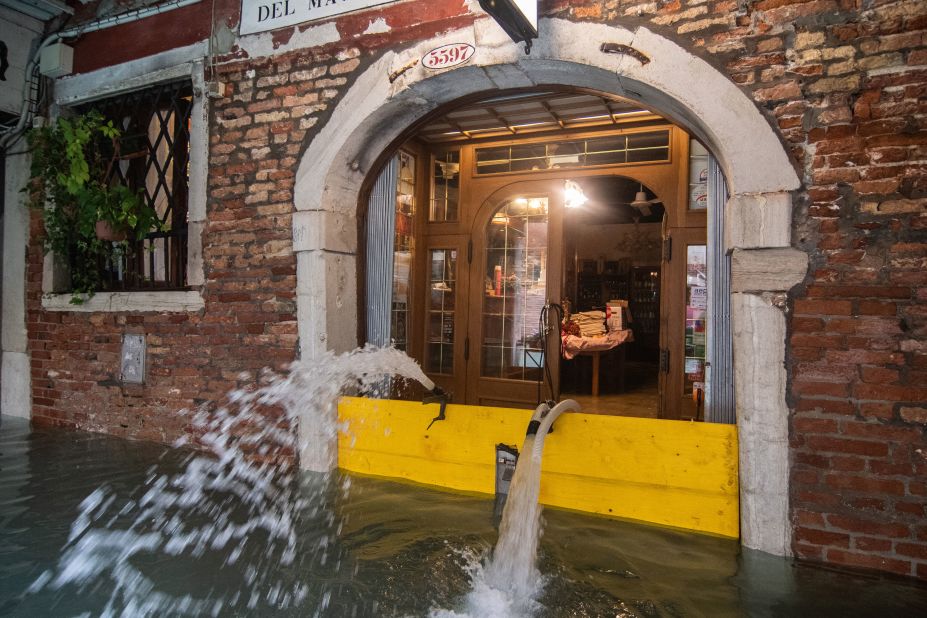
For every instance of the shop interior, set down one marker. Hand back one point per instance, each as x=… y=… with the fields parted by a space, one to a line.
x=529 y=258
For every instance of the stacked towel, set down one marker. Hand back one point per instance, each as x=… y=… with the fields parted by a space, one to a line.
x=591 y=323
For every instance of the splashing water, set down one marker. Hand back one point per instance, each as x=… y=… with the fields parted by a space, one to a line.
x=509 y=583
x=235 y=500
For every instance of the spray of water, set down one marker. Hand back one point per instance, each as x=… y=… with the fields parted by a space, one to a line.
x=234 y=501
x=237 y=502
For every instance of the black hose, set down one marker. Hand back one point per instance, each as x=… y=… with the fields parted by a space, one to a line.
x=544 y=327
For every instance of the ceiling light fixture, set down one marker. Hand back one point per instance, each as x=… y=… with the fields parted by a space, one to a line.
x=573 y=196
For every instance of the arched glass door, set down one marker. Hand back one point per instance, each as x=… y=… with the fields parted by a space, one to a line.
x=514 y=275
x=514 y=290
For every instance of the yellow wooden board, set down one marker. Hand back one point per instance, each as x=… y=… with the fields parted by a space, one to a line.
x=672 y=473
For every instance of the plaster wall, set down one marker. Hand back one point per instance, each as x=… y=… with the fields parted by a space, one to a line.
x=19 y=33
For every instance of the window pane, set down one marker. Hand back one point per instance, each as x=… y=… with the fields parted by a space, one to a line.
x=442 y=289
x=445 y=187
x=574 y=154
x=698 y=176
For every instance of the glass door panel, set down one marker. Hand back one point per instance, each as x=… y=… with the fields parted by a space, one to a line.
x=514 y=290
x=696 y=328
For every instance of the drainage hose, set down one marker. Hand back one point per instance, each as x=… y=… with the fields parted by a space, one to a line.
x=567 y=405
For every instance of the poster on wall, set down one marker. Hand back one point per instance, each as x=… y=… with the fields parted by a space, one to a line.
x=264 y=15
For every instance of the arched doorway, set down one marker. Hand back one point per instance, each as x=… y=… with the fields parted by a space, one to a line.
x=388 y=98
x=491 y=237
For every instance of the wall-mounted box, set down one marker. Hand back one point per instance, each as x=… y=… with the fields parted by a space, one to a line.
x=57 y=60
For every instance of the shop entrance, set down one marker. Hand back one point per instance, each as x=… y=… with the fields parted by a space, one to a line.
x=530 y=241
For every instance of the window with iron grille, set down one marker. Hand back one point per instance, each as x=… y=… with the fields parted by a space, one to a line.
x=154 y=159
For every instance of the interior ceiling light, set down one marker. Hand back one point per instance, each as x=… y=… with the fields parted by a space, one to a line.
x=573 y=196
x=641 y=202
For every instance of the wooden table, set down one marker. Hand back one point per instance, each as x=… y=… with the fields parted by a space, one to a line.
x=596 y=364
x=594 y=346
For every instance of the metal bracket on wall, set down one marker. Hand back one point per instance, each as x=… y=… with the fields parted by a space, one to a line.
x=625 y=50
x=668 y=249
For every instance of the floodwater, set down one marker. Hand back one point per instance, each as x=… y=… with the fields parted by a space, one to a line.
x=367 y=547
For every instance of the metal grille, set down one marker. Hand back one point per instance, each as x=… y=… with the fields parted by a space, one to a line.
x=154 y=158
x=720 y=406
x=381 y=223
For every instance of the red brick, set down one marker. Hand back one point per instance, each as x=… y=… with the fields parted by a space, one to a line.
x=871 y=544
x=912 y=550
x=819 y=498
x=874 y=307
x=809 y=552
x=827 y=406
x=847 y=446
x=882 y=431
x=860 y=291
x=889 y=392
x=845 y=326
x=805 y=477
x=823 y=307
x=818 y=341
x=809 y=518
x=918 y=509
x=877 y=410
x=868 y=526
x=822 y=537
x=814 y=425
x=829 y=389
x=807 y=325
x=865 y=504
x=879 y=374
x=869 y=561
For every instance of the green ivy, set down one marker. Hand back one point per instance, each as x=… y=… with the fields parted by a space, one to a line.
x=71 y=160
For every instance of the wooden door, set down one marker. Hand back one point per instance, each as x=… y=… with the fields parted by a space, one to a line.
x=516 y=270
x=446 y=292
x=682 y=324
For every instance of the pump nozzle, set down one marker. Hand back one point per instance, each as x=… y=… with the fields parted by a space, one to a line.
x=437 y=395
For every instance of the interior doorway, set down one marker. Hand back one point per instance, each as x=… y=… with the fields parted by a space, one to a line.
x=531 y=236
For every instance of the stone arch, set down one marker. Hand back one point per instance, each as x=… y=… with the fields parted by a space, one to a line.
x=396 y=91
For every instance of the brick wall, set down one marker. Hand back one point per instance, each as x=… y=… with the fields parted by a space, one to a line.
x=843 y=81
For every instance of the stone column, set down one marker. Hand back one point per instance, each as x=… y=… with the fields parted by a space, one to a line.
x=763 y=269
x=326 y=288
x=16 y=399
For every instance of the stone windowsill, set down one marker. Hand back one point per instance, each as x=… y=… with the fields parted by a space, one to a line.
x=109 y=302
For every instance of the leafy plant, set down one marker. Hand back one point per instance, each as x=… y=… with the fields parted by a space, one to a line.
x=71 y=182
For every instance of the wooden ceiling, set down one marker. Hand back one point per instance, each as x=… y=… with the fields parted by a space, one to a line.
x=534 y=112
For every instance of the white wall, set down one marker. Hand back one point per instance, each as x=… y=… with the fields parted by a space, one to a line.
x=19 y=33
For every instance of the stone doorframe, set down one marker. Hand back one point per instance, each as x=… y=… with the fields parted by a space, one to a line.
x=396 y=91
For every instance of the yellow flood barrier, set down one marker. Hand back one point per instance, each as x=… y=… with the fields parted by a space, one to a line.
x=672 y=473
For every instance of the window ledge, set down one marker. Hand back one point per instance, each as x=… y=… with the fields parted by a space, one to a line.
x=110 y=302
